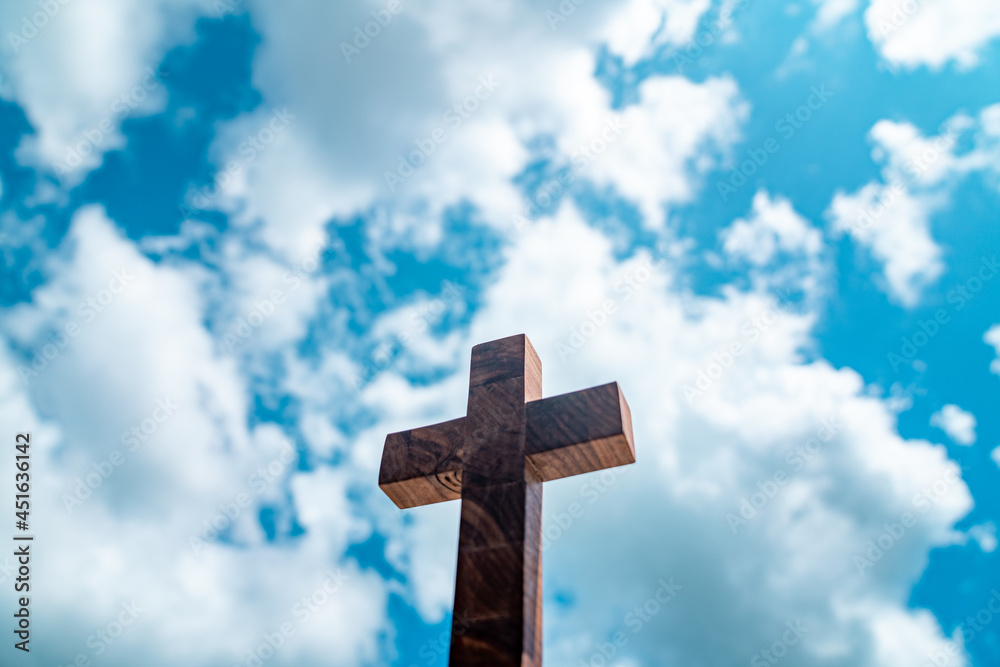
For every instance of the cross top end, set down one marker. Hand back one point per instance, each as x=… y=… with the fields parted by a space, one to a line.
x=495 y=459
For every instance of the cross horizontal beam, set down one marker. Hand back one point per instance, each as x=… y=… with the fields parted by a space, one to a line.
x=579 y=432
x=423 y=465
x=570 y=434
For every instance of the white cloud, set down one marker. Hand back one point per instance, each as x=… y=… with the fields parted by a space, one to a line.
x=437 y=57
x=260 y=190
x=895 y=226
x=986 y=536
x=996 y=456
x=892 y=218
x=957 y=423
x=773 y=227
x=992 y=337
x=913 y=159
x=642 y=26
x=932 y=33
x=832 y=12
x=87 y=68
x=663 y=143
x=134 y=346
x=828 y=21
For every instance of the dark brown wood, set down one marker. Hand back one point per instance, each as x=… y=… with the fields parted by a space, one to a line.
x=495 y=459
x=424 y=465
x=576 y=433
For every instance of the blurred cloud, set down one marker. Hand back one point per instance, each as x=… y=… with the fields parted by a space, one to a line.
x=932 y=33
x=957 y=423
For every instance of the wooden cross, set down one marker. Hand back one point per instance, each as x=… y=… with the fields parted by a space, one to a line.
x=495 y=459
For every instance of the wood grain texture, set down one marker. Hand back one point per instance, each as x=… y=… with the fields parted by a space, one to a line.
x=423 y=465
x=496 y=459
x=498 y=559
x=581 y=432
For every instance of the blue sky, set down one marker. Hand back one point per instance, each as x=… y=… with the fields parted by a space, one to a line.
x=241 y=242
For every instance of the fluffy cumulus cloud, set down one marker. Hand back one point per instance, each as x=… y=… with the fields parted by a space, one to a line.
x=892 y=217
x=79 y=68
x=985 y=536
x=643 y=26
x=773 y=227
x=900 y=240
x=142 y=476
x=475 y=106
x=957 y=423
x=932 y=33
x=708 y=124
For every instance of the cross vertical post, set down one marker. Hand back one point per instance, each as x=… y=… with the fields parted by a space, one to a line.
x=497 y=617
